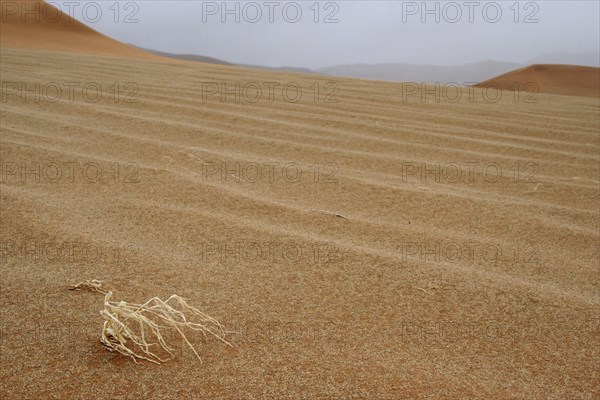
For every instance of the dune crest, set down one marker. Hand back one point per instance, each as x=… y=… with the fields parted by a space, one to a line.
x=569 y=80
x=35 y=24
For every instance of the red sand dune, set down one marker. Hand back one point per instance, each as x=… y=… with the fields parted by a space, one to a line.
x=35 y=24
x=570 y=80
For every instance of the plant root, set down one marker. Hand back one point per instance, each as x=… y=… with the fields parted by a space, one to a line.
x=136 y=330
x=94 y=285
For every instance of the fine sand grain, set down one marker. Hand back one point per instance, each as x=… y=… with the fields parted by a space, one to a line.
x=364 y=244
x=325 y=306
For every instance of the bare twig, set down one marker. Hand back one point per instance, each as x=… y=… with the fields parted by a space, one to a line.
x=423 y=290
x=93 y=285
x=331 y=213
x=135 y=329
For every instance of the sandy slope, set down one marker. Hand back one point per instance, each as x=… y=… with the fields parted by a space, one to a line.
x=35 y=24
x=375 y=319
x=570 y=80
x=120 y=188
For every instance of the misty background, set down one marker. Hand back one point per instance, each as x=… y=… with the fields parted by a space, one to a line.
x=491 y=36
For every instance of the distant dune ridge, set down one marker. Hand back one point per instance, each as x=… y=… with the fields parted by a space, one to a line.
x=472 y=72
x=45 y=27
x=586 y=59
x=463 y=75
x=212 y=60
x=186 y=57
x=569 y=80
x=553 y=79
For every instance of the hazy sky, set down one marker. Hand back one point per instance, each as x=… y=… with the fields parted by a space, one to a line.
x=365 y=31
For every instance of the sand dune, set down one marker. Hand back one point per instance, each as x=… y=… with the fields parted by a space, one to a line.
x=360 y=242
x=570 y=80
x=35 y=24
x=466 y=74
x=381 y=311
x=587 y=59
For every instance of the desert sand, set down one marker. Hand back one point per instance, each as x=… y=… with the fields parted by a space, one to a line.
x=35 y=24
x=367 y=244
x=569 y=80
